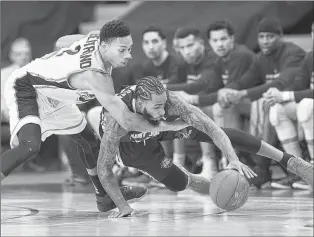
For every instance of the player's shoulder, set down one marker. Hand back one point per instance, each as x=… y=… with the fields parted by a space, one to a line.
x=289 y=48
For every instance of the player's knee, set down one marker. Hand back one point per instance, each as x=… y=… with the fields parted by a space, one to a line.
x=276 y=112
x=305 y=110
x=177 y=180
x=30 y=147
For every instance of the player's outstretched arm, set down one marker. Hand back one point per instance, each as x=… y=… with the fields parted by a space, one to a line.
x=108 y=150
x=197 y=119
x=102 y=86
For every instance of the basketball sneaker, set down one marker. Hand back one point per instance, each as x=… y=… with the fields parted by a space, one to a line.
x=300 y=184
x=301 y=168
x=283 y=183
x=130 y=193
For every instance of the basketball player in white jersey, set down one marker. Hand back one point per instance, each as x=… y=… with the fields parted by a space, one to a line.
x=42 y=98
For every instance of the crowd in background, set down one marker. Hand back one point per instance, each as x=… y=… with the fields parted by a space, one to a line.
x=269 y=94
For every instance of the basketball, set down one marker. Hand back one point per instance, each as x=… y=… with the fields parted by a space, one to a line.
x=229 y=190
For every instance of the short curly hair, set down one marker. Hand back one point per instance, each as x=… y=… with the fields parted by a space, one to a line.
x=114 y=29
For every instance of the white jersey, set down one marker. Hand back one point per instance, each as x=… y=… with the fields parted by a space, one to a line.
x=49 y=74
x=54 y=96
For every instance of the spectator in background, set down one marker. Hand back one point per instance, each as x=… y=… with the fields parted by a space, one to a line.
x=293 y=109
x=276 y=65
x=197 y=66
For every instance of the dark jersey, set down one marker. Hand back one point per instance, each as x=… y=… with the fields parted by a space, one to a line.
x=127 y=96
x=278 y=70
x=170 y=69
x=195 y=74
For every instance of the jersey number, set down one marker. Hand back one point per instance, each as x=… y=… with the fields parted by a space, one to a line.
x=58 y=53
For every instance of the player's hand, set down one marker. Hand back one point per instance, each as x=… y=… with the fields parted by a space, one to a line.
x=125 y=212
x=242 y=168
x=234 y=96
x=268 y=102
x=224 y=97
x=273 y=94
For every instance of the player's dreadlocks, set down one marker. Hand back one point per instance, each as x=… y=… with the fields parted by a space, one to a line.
x=114 y=29
x=146 y=86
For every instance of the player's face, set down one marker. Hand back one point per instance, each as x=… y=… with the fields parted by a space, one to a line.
x=118 y=51
x=153 y=45
x=191 y=48
x=154 y=109
x=268 y=42
x=221 y=42
x=21 y=54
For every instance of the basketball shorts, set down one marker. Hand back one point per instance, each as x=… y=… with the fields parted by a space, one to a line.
x=26 y=105
x=149 y=156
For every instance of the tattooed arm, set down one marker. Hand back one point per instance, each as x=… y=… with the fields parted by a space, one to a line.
x=109 y=148
x=197 y=119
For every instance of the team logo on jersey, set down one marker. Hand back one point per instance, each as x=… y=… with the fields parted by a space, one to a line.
x=225 y=77
x=54 y=103
x=84 y=97
x=143 y=136
x=166 y=162
x=272 y=77
x=184 y=133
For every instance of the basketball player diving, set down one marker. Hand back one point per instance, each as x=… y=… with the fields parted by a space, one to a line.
x=42 y=98
x=144 y=151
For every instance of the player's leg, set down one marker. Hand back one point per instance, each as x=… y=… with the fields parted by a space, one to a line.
x=243 y=141
x=29 y=138
x=24 y=123
x=305 y=118
x=87 y=149
x=283 y=117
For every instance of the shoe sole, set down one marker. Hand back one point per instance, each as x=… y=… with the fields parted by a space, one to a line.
x=301 y=186
x=279 y=186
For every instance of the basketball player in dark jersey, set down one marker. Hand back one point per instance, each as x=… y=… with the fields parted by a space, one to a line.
x=144 y=151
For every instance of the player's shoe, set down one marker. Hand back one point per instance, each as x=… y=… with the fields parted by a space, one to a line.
x=300 y=184
x=130 y=193
x=283 y=183
x=301 y=168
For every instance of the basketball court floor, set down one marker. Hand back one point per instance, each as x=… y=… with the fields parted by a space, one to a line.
x=40 y=205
